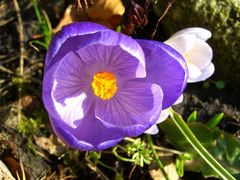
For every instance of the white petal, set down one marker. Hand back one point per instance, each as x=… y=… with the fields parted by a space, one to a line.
x=200 y=33
x=200 y=55
x=182 y=43
x=163 y=116
x=179 y=100
x=206 y=73
x=152 y=130
x=194 y=72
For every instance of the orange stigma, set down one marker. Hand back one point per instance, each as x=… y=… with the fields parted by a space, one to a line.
x=104 y=85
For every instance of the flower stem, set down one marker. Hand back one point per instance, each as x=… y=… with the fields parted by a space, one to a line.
x=120 y=157
x=156 y=158
x=182 y=126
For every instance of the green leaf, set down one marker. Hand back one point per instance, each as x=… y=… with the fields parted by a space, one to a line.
x=192 y=117
x=224 y=147
x=118 y=29
x=44 y=22
x=212 y=123
x=179 y=166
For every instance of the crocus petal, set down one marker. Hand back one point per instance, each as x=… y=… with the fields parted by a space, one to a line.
x=154 y=128
x=81 y=32
x=182 y=43
x=165 y=67
x=133 y=109
x=200 y=33
x=90 y=134
x=194 y=72
x=65 y=90
x=109 y=56
x=179 y=100
x=206 y=73
x=200 y=55
x=88 y=34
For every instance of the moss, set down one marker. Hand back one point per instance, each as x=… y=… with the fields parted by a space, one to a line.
x=222 y=18
x=29 y=126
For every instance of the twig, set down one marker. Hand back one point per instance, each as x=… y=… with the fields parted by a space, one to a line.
x=3 y=69
x=8 y=60
x=162 y=16
x=21 y=58
x=130 y=175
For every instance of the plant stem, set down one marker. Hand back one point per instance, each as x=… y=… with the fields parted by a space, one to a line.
x=120 y=157
x=158 y=148
x=156 y=158
x=186 y=131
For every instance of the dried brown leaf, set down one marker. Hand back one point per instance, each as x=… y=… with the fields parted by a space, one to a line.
x=105 y=12
x=4 y=172
x=169 y=167
x=105 y=9
x=51 y=144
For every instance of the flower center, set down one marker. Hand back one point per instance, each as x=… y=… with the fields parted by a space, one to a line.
x=104 y=85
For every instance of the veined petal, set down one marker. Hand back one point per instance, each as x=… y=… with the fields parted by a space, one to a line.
x=73 y=38
x=65 y=90
x=200 y=33
x=112 y=57
x=200 y=55
x=182 y=43
x=68 y=40
x=165 y=67
x=133 y=109
x=90 y=134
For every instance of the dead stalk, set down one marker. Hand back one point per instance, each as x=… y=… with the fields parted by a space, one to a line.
x=21 y=58
x=162 y=16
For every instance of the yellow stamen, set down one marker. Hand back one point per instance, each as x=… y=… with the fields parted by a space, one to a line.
x=104 y=85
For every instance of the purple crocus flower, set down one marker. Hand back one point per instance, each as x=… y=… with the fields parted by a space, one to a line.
x=101 y=86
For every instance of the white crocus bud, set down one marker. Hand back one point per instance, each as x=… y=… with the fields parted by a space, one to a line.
x=190 y=42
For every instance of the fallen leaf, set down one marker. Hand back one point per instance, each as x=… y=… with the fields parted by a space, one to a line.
x=71 y=15
x=105 y=12
x=105 y=9
x=4 y=172
x=51 y=144
x=15 y=167
x=169 y=167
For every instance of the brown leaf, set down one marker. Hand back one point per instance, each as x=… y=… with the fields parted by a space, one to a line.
x=15 y=167
x=105 y=12
x=51 y=144
x=4 y=172
x=105 y=9
x=169 y=167
x=71 y=15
